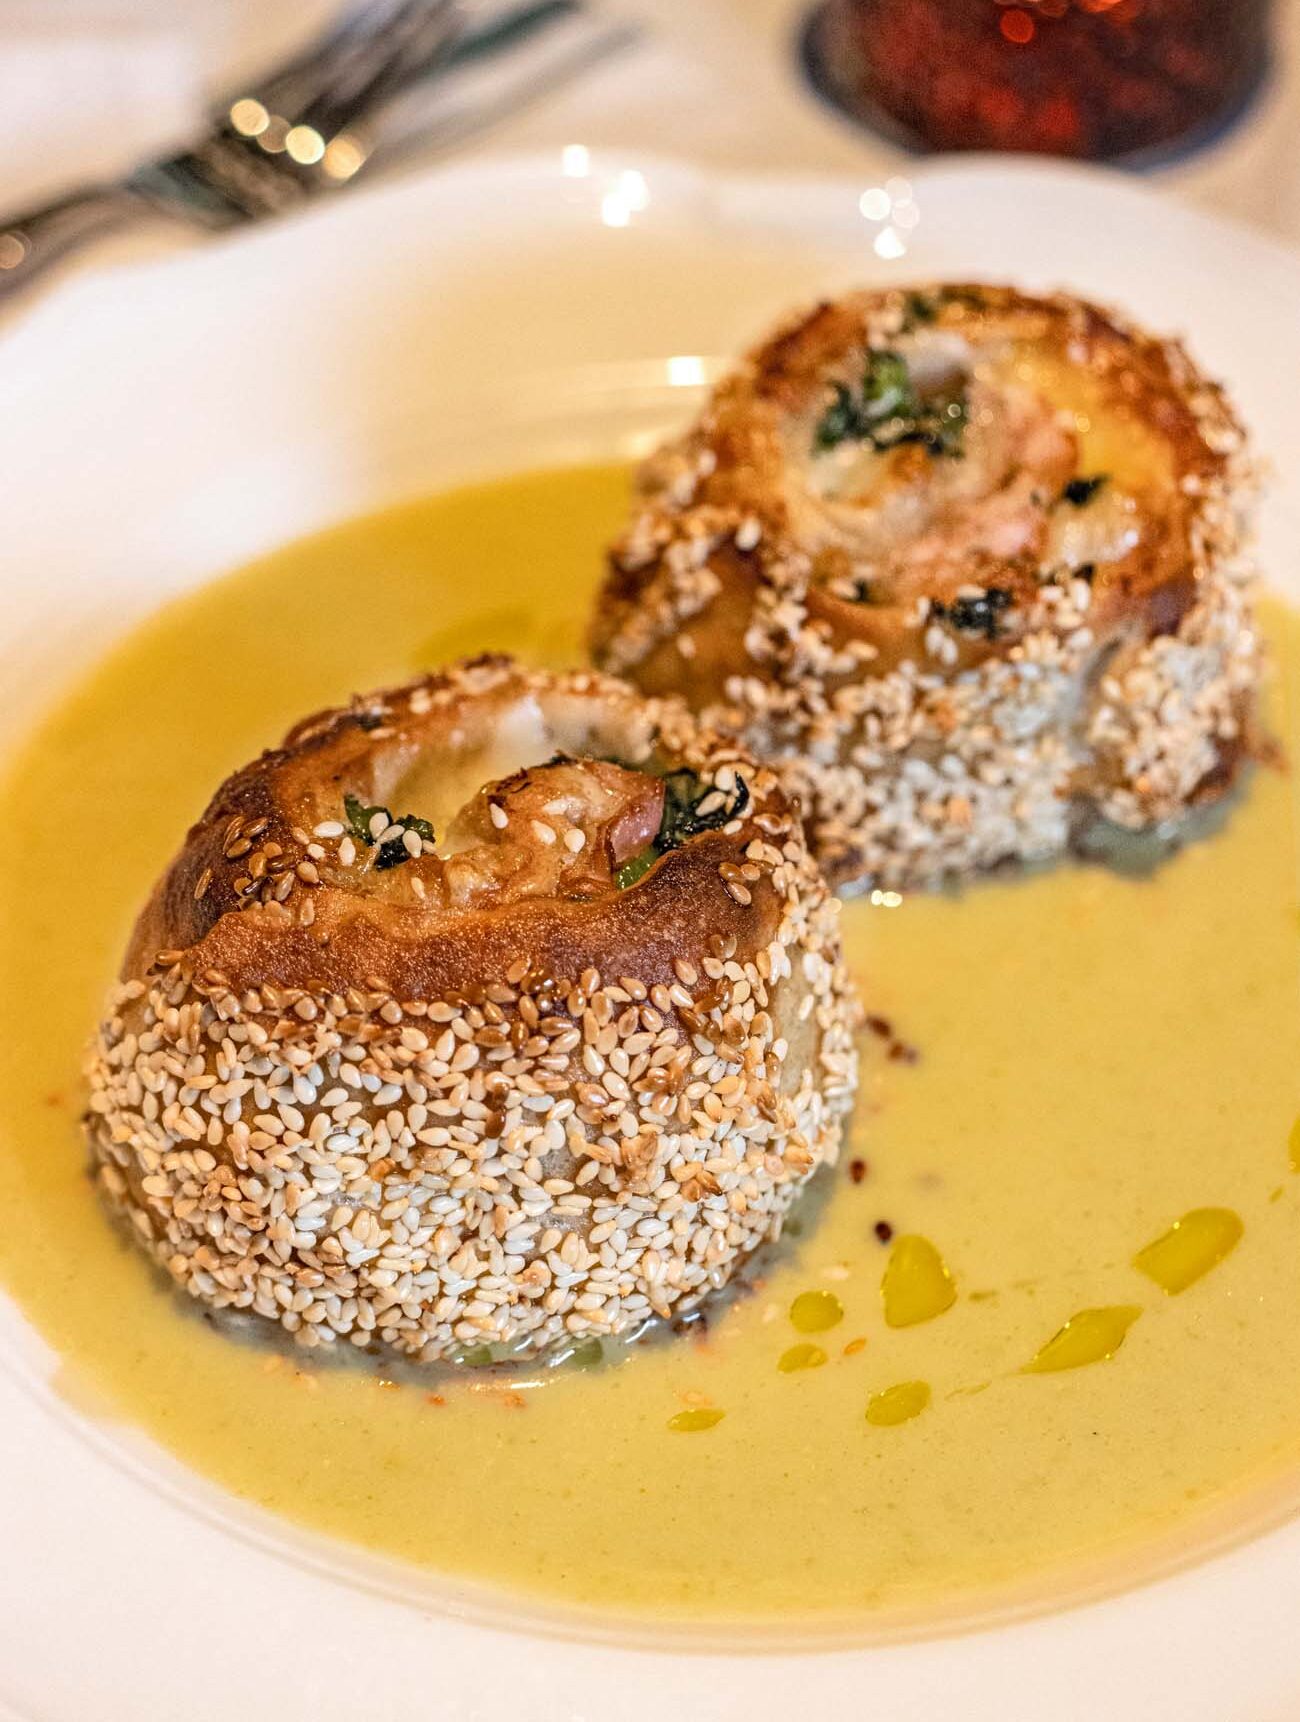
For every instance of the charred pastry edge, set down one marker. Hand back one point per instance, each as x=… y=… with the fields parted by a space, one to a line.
x=959 y=754
x=564 y=1149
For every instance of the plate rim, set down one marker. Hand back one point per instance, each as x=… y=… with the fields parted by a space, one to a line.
x=698 y=189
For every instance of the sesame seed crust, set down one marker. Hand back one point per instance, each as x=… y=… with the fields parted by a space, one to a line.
x=365 y=1111
x=919 y=744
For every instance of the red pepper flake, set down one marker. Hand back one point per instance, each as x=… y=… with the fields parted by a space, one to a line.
x=883 y=1230
x=434 y=1399
x=901 y=1053
x=880 y=1025
x=857 y=1170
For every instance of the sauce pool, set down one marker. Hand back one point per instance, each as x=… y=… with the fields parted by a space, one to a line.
x=1096 y=1055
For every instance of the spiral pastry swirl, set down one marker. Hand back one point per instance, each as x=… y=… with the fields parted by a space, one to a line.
x=964 y=565
x=489 y=1015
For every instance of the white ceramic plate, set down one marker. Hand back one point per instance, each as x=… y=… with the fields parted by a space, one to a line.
x=162 y=423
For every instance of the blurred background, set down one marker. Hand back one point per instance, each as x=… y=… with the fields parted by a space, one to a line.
x=1201 y=96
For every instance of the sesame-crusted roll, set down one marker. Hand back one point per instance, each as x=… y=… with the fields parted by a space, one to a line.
x=964 y=565
x=491 y=1014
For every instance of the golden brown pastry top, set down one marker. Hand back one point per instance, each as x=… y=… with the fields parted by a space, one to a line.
x=950 y=511
x=619 y=835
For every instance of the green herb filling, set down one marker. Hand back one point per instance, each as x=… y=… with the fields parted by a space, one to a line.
x=393 y=852
x=681 y=820
x=887 y=411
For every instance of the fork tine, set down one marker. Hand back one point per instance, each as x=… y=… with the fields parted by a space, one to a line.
x=293 y=83
x=227 y=178
x=356 y=73
x=415 y=34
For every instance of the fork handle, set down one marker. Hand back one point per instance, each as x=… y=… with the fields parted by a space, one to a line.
x=31 y=243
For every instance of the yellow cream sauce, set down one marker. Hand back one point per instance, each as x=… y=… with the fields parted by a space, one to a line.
x=1051 y=1327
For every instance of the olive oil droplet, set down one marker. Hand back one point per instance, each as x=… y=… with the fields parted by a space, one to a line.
x=1089 y=1337
x=1190 y=1248
x=698 y=1418
x=815 y=1311
x=916 y=1285
x=897 y=1404
x=804 y=1356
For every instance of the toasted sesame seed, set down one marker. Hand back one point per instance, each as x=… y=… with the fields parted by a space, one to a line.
x=411 y=1176
x=1017 y=742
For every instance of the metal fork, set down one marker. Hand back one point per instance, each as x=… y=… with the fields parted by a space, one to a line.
x=295 y=132
x=284 y=138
